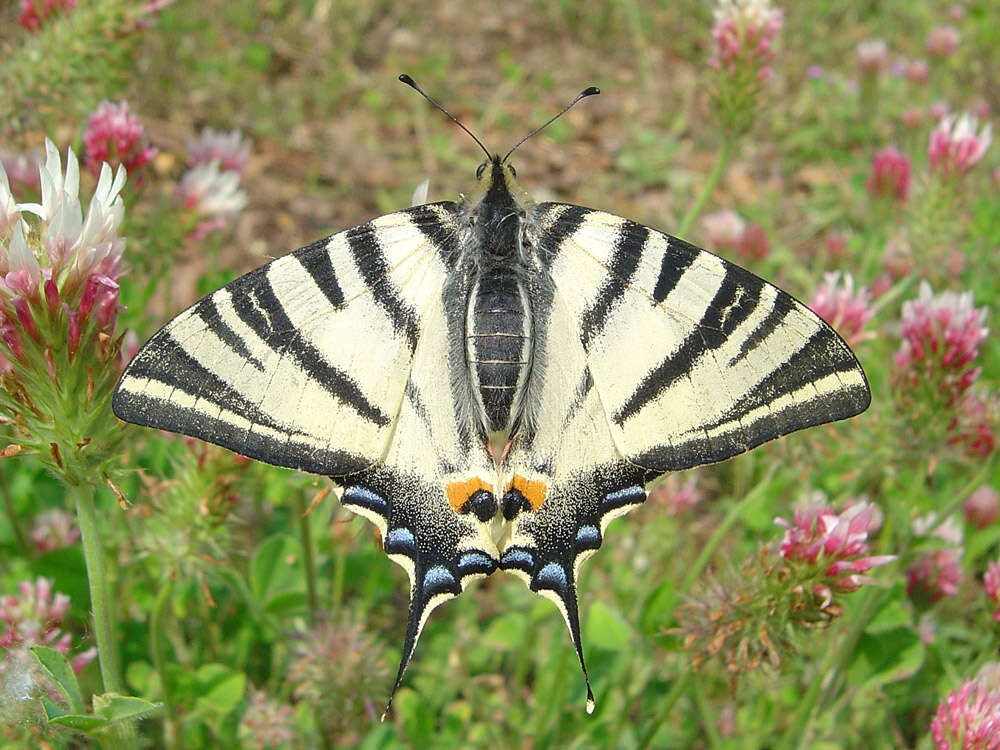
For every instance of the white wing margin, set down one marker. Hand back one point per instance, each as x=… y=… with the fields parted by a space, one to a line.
x=302 y=362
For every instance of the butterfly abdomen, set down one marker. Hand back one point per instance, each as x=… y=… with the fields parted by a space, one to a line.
x=498 y=347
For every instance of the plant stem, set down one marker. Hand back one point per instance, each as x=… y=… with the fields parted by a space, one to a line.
x=720 y=532
x=122 y=736
x=678 y=689
x=796 y=735
x=157 y=645
x=706 y=190
x=107 y=652
x=308 y=558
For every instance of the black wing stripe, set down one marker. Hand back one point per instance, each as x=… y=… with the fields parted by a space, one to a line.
x=208 y=311
x=440 y=231
x=564 y=225
x=678 y=256
x=262 y=311
x=171 y=365
x=316 y=261
x=822 y=354
x=624 y=261
x=735 y=299
x=370 y=260
x=783 y=304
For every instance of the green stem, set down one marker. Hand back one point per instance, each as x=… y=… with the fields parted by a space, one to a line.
x=15 y=522
x=707 y=719
x=706 y=190
x=666 y=705
x=706 y=554
x=308 y=558
x=796 y=736
x=720 y=532
x=123 y=736
x=157 y=647
x=107 y=651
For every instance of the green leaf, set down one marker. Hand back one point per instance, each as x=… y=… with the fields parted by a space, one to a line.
x=86 y=723
x=221 y=690
x=275 y=570
x=891 y=614
x=888 y=656
x=118 y=708
x=58 y=668
x=417 y=720
x=606 y=628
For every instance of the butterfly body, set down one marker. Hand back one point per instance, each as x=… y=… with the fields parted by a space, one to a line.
x=492 y=382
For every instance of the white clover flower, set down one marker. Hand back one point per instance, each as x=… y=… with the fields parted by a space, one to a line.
x=9 y=211
x=211 y=191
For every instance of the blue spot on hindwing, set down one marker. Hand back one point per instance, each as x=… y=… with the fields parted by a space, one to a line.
x=400 y=541
x=517 y=557
x=438 y=580
x=588 y=537
x=619 y=498
x=552 y=576
x=471 y=563
x=365 y=498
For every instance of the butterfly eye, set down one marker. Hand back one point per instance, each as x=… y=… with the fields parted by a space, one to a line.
x=513 y=172
x=479 y=171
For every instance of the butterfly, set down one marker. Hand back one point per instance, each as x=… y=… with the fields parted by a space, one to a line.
x=492 y=381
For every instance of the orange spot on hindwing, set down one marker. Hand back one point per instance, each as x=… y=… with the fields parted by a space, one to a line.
x=459 y=492
x=534 y=492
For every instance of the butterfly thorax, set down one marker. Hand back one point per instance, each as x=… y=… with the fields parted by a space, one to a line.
x=498 y=324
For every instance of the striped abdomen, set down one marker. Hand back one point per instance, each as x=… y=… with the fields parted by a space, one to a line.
x=498 y=348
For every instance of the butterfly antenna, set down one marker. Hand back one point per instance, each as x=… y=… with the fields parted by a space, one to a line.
x=589 y=91
x=413 y=84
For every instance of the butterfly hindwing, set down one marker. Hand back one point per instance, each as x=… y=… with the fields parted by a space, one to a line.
x=569 y=472
x=695 y=359
x=302 y=362
x=423 y=495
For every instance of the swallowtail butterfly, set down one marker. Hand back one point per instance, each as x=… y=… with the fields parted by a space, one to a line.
x=491 y=382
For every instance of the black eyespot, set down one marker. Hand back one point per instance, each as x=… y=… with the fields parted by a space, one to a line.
x=482 y=504
x=479 y=171
x=513 y=172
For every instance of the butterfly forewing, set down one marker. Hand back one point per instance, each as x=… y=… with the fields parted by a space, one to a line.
x=302 y=362
x=695 y=359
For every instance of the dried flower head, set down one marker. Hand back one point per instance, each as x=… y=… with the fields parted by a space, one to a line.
x=342 y=671
x=955 y=146
x=266 y=723
x=115 y=136
x=890 y=176
x=843 y=307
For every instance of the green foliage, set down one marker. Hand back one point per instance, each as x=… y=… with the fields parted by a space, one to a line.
x=225 y=590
